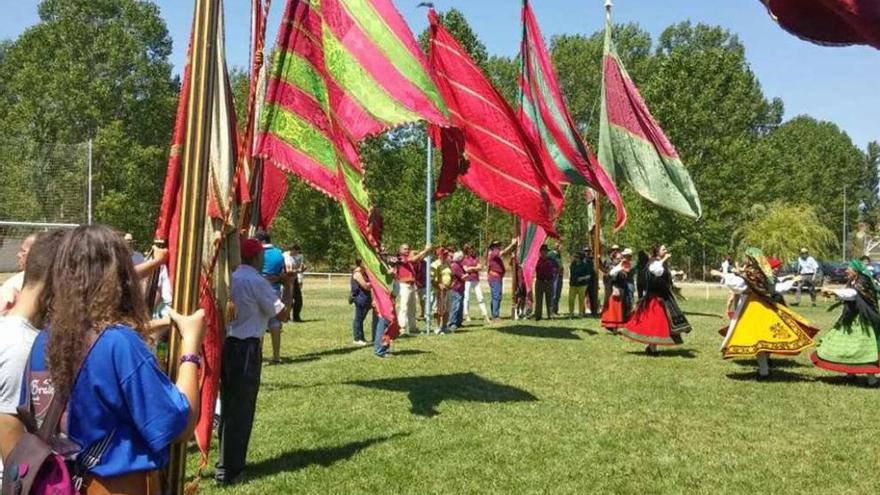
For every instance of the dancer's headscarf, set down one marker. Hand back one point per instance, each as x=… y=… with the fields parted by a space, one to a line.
x=866 y=284
x=759 y=275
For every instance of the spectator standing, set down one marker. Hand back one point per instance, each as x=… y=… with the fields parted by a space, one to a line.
x=420 y=272
x=545 y=275
x=592 y=283
x=441 y=281
x=456 y=291
x=10 y=289
x=555 y=254
x=472 y=268
x=18 y=330
x=495 y=266
x=406 y=286
x=807 y=269
x=256 y=302
x=273 y=271
x=137 y=257
x=119 y=402
x=727 y=265
x=579 y=278
x=295 y=266
x=362 y=299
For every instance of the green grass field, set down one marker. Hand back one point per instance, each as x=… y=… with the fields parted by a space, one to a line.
x=557 y=407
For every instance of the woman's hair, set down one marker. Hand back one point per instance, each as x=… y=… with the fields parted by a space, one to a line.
x=92 y=285
x=655 y=250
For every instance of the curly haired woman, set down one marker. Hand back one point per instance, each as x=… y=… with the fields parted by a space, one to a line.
x=97 y=357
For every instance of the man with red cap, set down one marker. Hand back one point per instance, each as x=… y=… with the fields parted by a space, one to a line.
x=256 y=302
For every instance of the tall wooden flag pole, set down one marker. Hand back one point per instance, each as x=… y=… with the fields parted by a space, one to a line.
x=597 y=206
x=193 y=200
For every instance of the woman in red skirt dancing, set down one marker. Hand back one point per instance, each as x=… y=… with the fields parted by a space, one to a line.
x=618 y=304
x=658 y=320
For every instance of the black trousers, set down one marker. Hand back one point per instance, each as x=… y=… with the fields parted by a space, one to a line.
x=297 y=295
x=593 y=296
x=543 y=295
x=239 y=385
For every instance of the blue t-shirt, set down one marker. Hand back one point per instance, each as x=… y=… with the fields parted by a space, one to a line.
x=273 y=263
x=120 y=389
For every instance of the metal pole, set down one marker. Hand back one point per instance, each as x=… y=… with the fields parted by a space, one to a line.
x=193 y=196
x=843 y=247
x=429 y=193
x=89 y=188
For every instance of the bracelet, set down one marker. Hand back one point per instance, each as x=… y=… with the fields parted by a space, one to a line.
x=192 y=358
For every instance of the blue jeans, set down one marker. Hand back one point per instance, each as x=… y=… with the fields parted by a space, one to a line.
x=495 y=287
x=361 y=308
x=378 y=334
x=456 y=313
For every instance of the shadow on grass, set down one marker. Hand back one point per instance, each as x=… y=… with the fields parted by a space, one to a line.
x=707 y=315
x=281 y=386
x=409 y=352
x=774 y=363
x=427 y=392
x=542 y=332
x=662 y=353
x=324 y=456
x=776 y=376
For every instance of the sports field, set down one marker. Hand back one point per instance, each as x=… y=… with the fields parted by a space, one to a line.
x=556 y=407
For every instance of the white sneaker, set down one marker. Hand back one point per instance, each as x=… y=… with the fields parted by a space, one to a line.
x=359 y=343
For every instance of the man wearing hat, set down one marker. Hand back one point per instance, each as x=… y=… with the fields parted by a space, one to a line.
x=592 y=283
x=807 y=269
x=256 y=302
x=579 y=278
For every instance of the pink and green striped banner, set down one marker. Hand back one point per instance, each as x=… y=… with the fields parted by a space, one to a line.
x=545 y=115
x=344 y=70
x=633 y=147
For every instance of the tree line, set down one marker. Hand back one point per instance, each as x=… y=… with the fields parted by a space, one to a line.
x=100 y=69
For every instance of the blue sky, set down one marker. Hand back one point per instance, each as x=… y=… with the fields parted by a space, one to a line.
x=836 y=84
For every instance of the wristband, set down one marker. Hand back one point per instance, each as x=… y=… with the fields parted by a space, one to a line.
x=192 y=358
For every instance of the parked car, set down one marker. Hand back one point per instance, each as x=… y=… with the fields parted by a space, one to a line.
x=834 y=272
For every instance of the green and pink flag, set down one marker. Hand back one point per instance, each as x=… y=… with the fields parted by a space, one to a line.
x=344 y=70
x=633 y=147
x=544 y=114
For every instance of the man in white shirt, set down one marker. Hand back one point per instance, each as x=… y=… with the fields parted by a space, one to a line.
x=18 y=329
x=807 y=269
x=10 y=289
x=256 y=302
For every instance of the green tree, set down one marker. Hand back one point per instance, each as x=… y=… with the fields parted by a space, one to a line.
x=782 y=229
x=807 y=161
x=95 y=69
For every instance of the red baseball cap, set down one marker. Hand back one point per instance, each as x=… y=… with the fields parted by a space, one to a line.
x=250 y=249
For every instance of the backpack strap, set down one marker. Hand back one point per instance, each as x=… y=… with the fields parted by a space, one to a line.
x=58 y=403
x=53 y=417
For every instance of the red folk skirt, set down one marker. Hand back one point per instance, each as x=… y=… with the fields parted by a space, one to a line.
x=650 y=324
x=613 y=315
